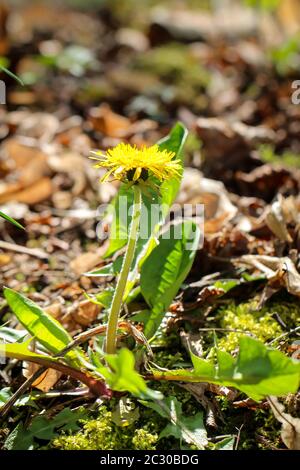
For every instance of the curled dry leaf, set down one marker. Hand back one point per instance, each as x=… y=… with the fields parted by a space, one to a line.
x=280 y=272
x=281 y=212
x=85 y=312
x=277 y=221
x=290 y=429
x=103 y=119
x=218 y=209
x=226 y=145
x=265 y=181
x=47 y=379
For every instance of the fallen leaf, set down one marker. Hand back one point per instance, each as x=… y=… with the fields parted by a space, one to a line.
x=85 y=262
x=46 y=380
x=276 y=222
x=290 y=429
x=218 y=209
x=280 y=272
x=37 y=192
x=103 y=119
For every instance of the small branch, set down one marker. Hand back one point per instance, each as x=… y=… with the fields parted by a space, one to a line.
x=36 y=253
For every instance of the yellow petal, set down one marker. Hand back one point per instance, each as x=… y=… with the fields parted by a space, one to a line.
x=137 y=174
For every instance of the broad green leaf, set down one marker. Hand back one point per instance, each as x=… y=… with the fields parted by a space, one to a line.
x=258 y=371
x=42 y=326
x=21 y=352
x=11 y=220
x=166 y=268
x=122 y=376
x=190 y=429
x=23 y=438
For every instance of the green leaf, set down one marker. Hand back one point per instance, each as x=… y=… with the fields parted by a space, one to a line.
x=263 y=4
x=190 y=429
x=20 y=351
x=226 y=444
x=11 y=220
x=122 y=376
x=25 y=400
x=166 y=268
x=42 y=326
x=105 y=297
x=11 y=335
x=258 y=371
x=174 y=142
x=121 y=222
x=226 y=285
x=12 y=75
x=110 y=269
x=23 y=438
x=5 y=395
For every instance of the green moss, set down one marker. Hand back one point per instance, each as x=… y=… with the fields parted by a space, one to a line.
x=287 y=158
x=245 y=319
x=103 y=434
x=262 y=323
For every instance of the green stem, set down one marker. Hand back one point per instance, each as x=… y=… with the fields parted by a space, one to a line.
x=112 y=326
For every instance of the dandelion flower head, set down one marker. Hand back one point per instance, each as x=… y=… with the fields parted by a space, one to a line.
x=129 y=163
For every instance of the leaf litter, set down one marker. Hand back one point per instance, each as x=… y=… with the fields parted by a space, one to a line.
x=130 y=80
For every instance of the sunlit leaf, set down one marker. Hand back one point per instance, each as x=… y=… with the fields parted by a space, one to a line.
x=42 y=326
x=257 y=371
x=123 y=377
x=11 y=220
x=166 y=268
x=188 y=428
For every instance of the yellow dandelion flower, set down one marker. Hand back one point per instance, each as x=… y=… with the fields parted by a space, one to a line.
x=129 y=163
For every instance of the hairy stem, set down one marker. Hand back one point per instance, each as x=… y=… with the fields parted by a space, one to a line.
x=111 y=332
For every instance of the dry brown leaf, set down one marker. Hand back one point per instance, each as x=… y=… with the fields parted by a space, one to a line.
x=290 y=429
x=37 y=192
x=85 y=312
x=276 y=220
x=85 y=262
x=218 y=209
x=103 y=119
x=46 y=381
x=281 y=272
